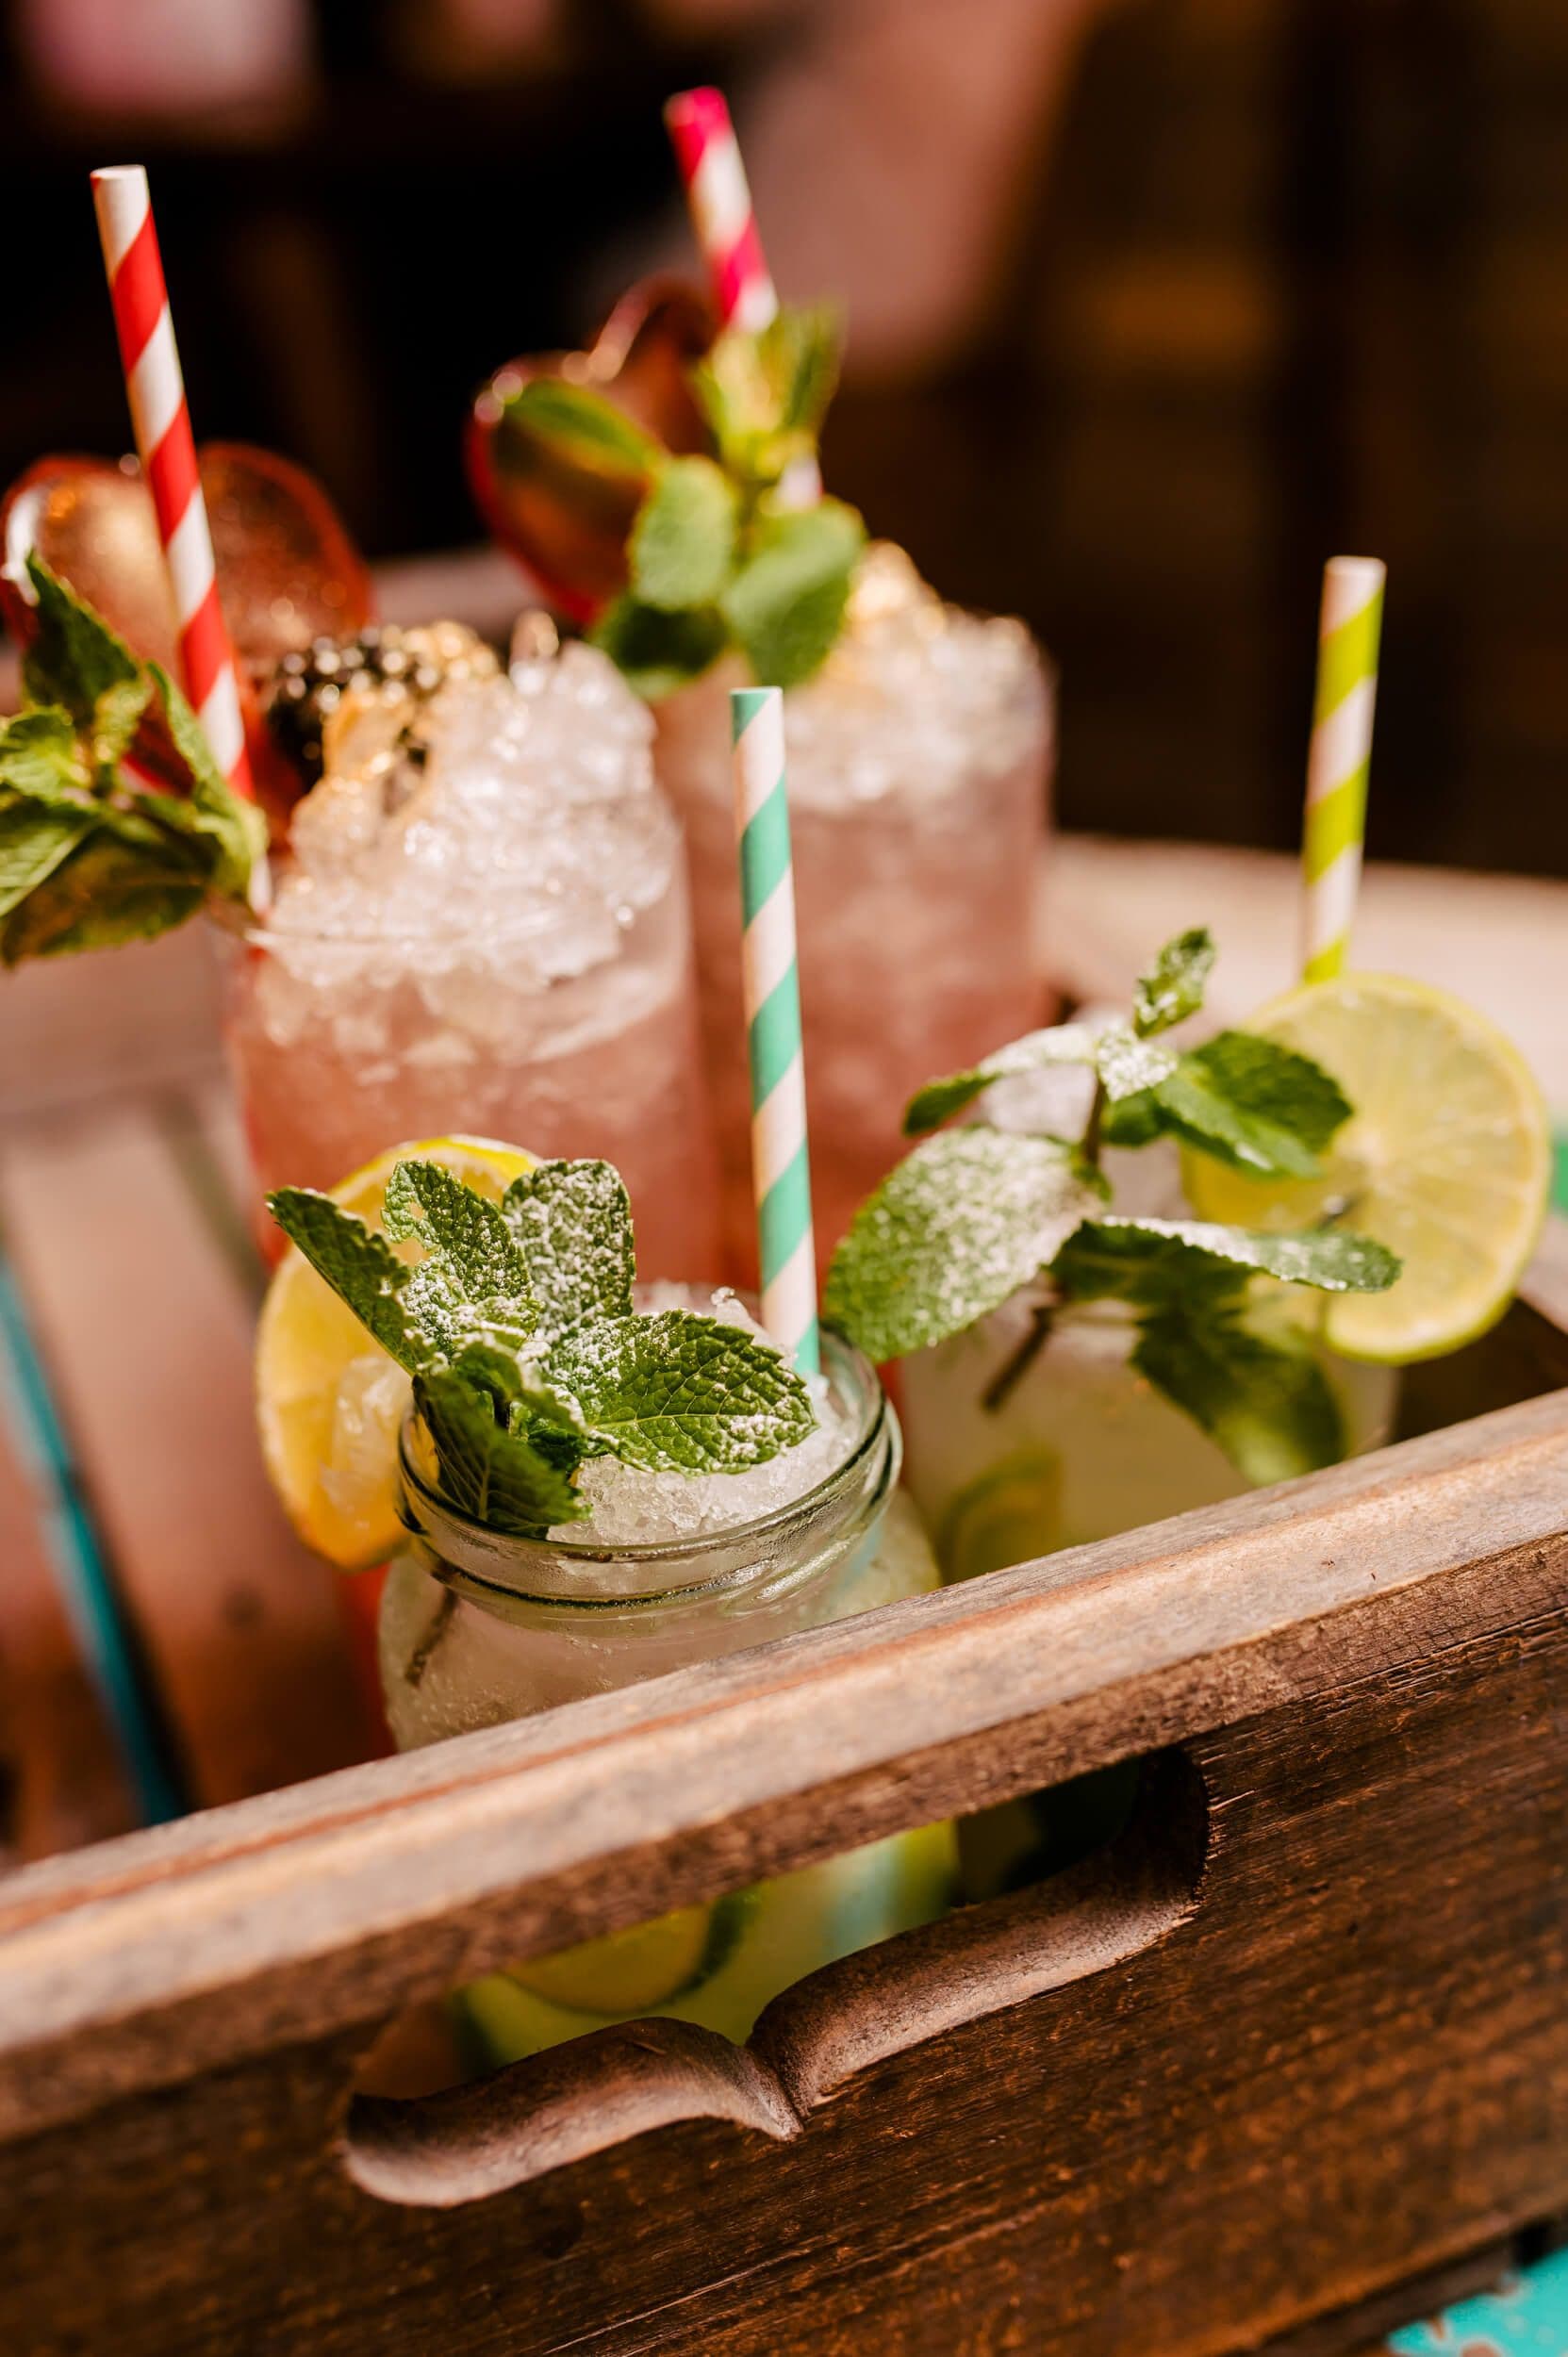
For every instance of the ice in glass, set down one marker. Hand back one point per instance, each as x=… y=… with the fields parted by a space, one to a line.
x=918 y=763
x=482 y=925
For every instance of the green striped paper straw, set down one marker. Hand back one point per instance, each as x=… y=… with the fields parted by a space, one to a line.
x=780 y=1167
x=1335 y=828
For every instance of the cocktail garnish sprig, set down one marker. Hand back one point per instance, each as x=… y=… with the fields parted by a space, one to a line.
x=519 y=1331
x=718 y=556
x=975 y=1213
x=89 y=856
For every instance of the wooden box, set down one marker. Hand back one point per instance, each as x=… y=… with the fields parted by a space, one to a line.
x=1281 y=2062
x=1298 y=2036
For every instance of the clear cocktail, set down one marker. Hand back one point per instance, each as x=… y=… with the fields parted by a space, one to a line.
x=669 y=1569
x=1080 y=1447
x=484 y=926
x=920 y=760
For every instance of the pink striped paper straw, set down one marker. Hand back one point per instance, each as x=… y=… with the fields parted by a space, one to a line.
x=709 y=157
x=161 y=422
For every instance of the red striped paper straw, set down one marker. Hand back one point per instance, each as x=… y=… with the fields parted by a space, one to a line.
x=709 y=157
x=161 y=422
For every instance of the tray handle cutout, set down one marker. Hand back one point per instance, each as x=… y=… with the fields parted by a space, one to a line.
x=519 y=2124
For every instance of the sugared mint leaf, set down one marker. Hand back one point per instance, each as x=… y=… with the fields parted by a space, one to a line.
x=1128 y=1064
x=784 y=606
x=1268 y=1404
x=1173 y=987
x=683 y=542
x=1064 y=1043
x=962 y=1222
x=572 y=1224
x=486 y=1469
x=360 y=1267
x=76 y=662
x=680 y=1393
x=659 y=653
x=474 y=1285
x=1152 y=1262
x=1278 y=1101
x=585 y=427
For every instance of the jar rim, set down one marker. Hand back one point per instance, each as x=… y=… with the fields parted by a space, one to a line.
x=433 y=1518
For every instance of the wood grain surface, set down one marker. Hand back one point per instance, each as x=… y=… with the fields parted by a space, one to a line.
x=1299 y=2035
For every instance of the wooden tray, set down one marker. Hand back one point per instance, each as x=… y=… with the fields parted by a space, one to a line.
x=1286 y=2058
x=1299 y=2035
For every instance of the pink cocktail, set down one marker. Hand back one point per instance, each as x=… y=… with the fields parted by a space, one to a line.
x=918 y=765
x=484 y=928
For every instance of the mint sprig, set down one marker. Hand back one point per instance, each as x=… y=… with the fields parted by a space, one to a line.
x=719 y=557
x=519 y=1328
x=88 y=855
x=974 y=1214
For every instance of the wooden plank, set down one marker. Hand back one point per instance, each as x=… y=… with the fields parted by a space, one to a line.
x=1299 y=2033
x=1499 y=941
x=138 y=1018
x=146 y=1334
x=62 y=1780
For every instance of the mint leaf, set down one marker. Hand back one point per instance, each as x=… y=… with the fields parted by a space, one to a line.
x=1268 y=1405
x=1126 y=1064
x=75 y=661
x=799 y=353
x=487 y=1469
x=35 y=838
x=659 y=653
x=965 y=1220
x=680 y=1393
x=40 y=756
x=1280 y=1105
x=1152 y=1262
x=1064 y=1043
x=360 y=1267
x=786 y=603
x=585 y=427
x=235 y=828
x=105 y=892
x=1173 y=987
x=572 y=1224
x=683 y=542
x=474 y=1284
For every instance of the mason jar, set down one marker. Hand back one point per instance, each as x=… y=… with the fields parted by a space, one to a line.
x=1016 y=1451
x=477 y=1627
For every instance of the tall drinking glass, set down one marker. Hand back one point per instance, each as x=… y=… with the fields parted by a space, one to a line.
x=484 y=927
x=918 y=764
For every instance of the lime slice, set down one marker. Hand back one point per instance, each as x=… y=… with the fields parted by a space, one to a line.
x=1012 y=1513
x=646 y=1965
x=329 y=1401
x=1446 y=1158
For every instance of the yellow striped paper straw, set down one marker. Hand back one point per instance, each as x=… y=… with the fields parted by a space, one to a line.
x=780 y=1167
x=1335 y=828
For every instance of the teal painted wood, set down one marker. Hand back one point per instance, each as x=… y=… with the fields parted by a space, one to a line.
x=1527 y=2316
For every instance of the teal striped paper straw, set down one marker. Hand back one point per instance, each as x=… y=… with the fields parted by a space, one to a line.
x=781 y=1166
x=1335 y=827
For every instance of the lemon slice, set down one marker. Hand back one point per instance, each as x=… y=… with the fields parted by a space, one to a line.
x=1012 y=1513
x=329 y=1401
x=1446 y=1158
x=647 y=1965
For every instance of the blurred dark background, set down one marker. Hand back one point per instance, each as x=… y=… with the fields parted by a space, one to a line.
x=1154 y=305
